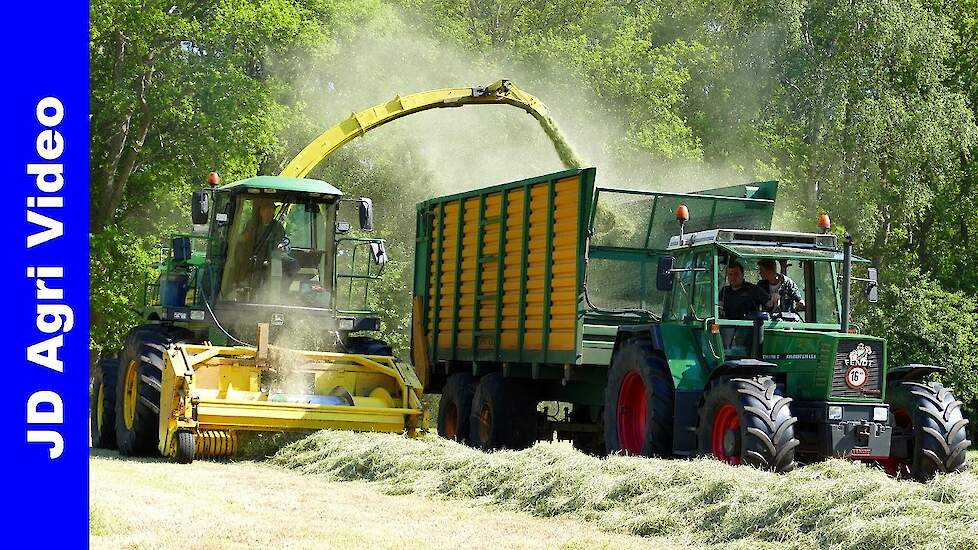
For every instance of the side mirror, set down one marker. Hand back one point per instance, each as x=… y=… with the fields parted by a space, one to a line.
x=199 y=207
x=872 y=285
x=379 y=254
x=181 y=249
x=664 y=277
x=366 y=213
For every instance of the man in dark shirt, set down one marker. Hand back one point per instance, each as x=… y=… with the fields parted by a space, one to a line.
x=739 y=298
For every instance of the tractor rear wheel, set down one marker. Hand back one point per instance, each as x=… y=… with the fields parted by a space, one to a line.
x=455 y=407
x=929 y=431
x=137 y=405
x=102 y=403
x=639 y=397
x=504 y=414
x=748 y=421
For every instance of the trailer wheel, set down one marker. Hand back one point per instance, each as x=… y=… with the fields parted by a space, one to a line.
x=928 y=433
x=455 y=407
x=137 y=402
x=638 y=412
x=748 y=421
x=102 y=403
x=503 y=414
x=186 y=447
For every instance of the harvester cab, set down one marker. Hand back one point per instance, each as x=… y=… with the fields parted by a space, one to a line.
x=253 y=325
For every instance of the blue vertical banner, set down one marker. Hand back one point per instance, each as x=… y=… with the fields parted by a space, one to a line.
x=45 y=165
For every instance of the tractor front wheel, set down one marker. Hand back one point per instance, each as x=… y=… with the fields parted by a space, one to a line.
x=928 y=433
x=102 y=403
x=748 y=421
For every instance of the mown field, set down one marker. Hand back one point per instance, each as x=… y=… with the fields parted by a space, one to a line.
x=362 y=489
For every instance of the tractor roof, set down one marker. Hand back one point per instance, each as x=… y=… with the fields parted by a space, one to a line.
x=757 y=244
x=282 y=183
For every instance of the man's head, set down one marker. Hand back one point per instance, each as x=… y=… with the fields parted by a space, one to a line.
x=735 y=274
x=266 y=212
x=768 y=270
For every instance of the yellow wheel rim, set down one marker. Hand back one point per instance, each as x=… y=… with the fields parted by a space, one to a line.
x=131 y=394
x=99 y=405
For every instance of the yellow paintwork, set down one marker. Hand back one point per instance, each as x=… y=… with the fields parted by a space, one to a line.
x=216 y=391
x=563 y=280
x=130 y=395
x=502 y=92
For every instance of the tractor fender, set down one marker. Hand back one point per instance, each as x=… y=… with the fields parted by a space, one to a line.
x=913 y=371
x=627 y=332
x=741 y=367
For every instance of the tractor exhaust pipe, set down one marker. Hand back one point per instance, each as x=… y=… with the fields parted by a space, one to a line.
x=846 y=282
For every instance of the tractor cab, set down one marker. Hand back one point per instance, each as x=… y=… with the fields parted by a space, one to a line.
x=274 y=250
x=743 y=282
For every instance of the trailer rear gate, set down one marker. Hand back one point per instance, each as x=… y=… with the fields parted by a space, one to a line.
x=527 y=238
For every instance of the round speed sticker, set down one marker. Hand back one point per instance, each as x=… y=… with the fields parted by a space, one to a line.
x=857 y=376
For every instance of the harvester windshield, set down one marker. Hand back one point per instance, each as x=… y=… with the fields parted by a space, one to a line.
x=278 y=253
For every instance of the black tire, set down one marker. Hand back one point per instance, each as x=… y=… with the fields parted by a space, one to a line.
x=364 y=345
x=143 y=353
x=504 y=414
x=102 y=403
x=186 y=447
x=637 y=361
x=765 y=438
x=455 y=407
x=935 y=441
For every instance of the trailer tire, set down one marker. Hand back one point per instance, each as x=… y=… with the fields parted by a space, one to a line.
x=504 y=414
x=102 y=403
x=137 y=399
x=748 y=421
x=186 y=447
x=639 y=397
x=455 y=407
x=930 y=421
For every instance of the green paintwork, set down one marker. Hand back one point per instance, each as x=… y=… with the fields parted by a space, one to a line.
x=282 y=183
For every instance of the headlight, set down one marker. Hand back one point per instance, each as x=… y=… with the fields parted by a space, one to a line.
x=346 y=324
x=880 y=414
x=835 y=412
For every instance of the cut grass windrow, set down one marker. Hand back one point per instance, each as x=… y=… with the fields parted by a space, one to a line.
x=833 y=504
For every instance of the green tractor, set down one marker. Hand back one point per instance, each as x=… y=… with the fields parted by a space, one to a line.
x=252 y=325
x=553 y=307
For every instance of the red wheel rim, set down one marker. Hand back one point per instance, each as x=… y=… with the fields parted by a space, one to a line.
x=895 y=466
x=726 y=434
x=451 y=421
x=632 y=412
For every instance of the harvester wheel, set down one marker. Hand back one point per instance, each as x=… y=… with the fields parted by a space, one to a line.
x=102 y=402
x=929 y=431
x=748 y=421
x=455 y=407
x=638 y=400
x=138 y=388
x=503 y=414
x=186 y=447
